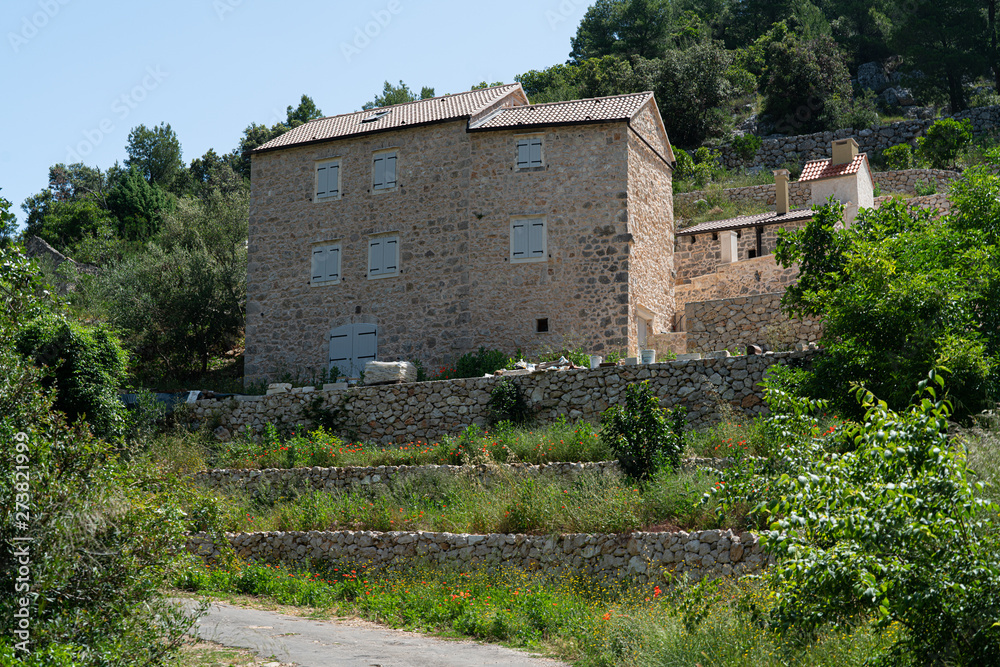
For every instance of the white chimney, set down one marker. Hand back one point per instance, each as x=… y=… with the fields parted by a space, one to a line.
x=781 y=191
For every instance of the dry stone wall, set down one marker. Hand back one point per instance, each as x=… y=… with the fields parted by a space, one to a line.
x=902 y=181
x=743 y=321
x=431 y=410
x=748 y=277
x=643 y=557
x=779 y=150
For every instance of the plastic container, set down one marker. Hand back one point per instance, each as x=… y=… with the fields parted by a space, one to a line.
x=648 y=356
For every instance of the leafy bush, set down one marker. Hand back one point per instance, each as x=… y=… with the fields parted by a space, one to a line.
x=803 y=77
x=945 y=139
x=899 y=156
x=644 y=436
x=924 y=189
x=746 y=146
x=684 y=167
x=902 y=535
x=88 y=366
x=507 y=403
x=475 y=364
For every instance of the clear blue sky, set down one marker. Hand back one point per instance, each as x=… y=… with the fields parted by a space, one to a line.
x=77 y=75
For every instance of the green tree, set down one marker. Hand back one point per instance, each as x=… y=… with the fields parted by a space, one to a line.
x=64 y=224
x=944 y=40
x=8 y=223
x=695 y=90
x=945 y=139
x=138 y=205
x=156 y=153
x=303 y=113
x=802 y=76
x=87 y=368
x=644 y=436
x=893 y=528
x=398 y=95
x=183 y=299
x=105 y=538
x=623 y=28
x=483 y=85
x=900 y=293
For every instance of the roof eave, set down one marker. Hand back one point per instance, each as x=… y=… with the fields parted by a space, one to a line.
x=563 y=123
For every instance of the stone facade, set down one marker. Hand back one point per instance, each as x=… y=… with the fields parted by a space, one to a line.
x=431 y=410
x=641 y=557
x=778 y=150
x=604 y=193
x=730 y=324
x=700 y=255
x=748 y=277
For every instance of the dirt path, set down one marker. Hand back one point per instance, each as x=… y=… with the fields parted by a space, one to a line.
x=313 y=643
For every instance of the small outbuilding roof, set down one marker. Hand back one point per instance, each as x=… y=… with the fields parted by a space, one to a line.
x=746 y=221
x=820 y=169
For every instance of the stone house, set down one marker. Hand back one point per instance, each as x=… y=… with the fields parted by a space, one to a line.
x=424 y=230
x=724 y=261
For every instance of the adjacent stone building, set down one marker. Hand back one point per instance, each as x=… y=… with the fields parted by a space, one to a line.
x=424 y=230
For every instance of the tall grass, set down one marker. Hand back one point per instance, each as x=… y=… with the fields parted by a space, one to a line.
x=591 y=622
x=509 y=503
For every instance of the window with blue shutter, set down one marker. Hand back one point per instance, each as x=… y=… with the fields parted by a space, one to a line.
x=383 y=256
x=328 y=180
x=384 y=171
x=528 y=240
x=529 y=152
x=325 y=264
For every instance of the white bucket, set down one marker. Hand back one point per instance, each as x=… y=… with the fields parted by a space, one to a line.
x=595 y=360
x=648 y=356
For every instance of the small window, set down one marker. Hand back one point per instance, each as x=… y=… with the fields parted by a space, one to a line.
x=542 y=325
x=384 y=171
x=529 y=153
x=528 y=241
x=327 y=180
x=383 y=256
x=325 y=265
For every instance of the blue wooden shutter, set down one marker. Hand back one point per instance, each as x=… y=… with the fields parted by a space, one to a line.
x=333 y=180
x=390 y=255
x=365 y=345
x=333 y=263
x=519 y=235
x=375 y=257
x=379 y=178
x=390 y=170
x=523 y=154
x=318 y=264
x=322 y=182
x=536 y=238
x=341 y=349
x=535 y=152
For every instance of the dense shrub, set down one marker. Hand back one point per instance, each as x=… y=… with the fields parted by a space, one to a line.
x=644 y=436
x=475 y=364
x=507 y=403
x=746 y=146
x=87 y=366
x=803 y=76
x=945 y=139
x=898 y=157
x=902 y=536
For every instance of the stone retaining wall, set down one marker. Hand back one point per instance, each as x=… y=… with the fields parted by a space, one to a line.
x=431 y=410
x=903 y=181
x=742 y=321
x=643 y=557
x=776 y=151
x=332 y=479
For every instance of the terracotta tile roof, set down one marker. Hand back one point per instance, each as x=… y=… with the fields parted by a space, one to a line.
x=818 y=169
x=744 y=221
x=420 y=112
x=594 y=110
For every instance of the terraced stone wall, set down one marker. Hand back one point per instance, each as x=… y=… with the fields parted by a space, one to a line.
x=430 y=410
x=643 y=557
